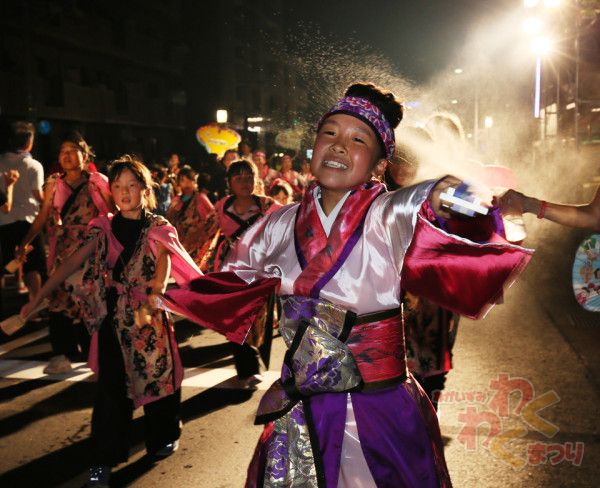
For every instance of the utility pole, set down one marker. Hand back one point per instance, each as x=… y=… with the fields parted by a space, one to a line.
x=576 y=94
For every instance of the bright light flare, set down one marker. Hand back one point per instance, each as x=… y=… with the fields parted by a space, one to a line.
x=454 y=102
x=552 y=3
x=458 y=71
x=530 y=3
x=488 y=122
x=542 y=46
x=538 y=88
x=221 y=116
x=532 y=25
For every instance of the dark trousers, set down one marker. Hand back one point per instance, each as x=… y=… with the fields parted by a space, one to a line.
x=433 y=386
x=246 y=359
x=112 y=417
x=10 y=237
x=72 y=340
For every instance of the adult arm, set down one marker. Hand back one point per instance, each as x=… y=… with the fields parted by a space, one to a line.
x=452 y=271
x=10 y=178
x=581 y=216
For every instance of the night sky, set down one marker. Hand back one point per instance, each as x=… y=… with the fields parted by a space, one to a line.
x=419 y=37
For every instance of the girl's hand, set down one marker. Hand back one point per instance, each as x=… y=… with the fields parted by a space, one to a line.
x=154 y=301
x=27 y=308
x=438 y=189
x=155 y=287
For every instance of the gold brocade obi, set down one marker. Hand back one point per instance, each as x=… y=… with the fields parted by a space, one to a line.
x=333 y=350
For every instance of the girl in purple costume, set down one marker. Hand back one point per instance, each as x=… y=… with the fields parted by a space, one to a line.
x=345 y=411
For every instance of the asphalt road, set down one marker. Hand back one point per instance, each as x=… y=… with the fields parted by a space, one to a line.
x=519 y=408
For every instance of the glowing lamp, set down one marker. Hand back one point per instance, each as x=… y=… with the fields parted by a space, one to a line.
x=532 y=25
x=222 y=116
x=551 y=3
x=541 y=46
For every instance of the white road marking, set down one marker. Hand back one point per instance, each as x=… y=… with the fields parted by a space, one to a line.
x=23 y=340
x=203 y=378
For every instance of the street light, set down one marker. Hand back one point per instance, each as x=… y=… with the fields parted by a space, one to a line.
x=532 y=25
x=221 y=116
x=551 y=3
x=541 y=46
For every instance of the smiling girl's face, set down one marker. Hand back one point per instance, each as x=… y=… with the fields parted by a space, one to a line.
x=345 y=153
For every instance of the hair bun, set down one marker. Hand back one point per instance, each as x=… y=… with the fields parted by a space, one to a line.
x=385 y=100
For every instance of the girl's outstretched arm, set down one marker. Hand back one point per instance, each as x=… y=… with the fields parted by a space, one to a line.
x=436 y=192
x=72 y=264
x=41 y=218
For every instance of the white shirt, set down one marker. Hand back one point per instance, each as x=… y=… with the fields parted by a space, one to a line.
x=31 y=177
x=328 y=220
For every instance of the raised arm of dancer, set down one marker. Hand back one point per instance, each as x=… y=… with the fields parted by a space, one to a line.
x=581 y=216
x=40 y=219
x=72 y=264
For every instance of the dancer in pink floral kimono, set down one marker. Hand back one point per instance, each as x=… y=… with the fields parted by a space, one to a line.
x=71 y=200
x=127 y=261
x=192 y=214
x=235 y=214
x=346 y=412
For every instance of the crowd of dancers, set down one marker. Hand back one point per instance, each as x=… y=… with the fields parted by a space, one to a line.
x=327 y=251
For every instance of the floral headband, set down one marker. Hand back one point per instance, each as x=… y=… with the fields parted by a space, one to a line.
x=363 y=109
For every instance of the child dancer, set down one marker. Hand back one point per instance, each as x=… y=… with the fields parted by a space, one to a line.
x=346 y=412
x=192 y=214
x=71 y=200
x=294 y=179
x=235 y=214
x=128 y=259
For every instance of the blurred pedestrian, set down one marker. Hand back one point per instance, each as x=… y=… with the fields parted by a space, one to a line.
x=218 y=179
x=245 y=150
x=293 y=178
x=163 y=188
x=281 y=192
x=6 y=196
x=27 y=196
x=192 y=214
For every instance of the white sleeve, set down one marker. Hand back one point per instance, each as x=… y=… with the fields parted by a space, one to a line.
x=398 y=217
x=252 y=255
